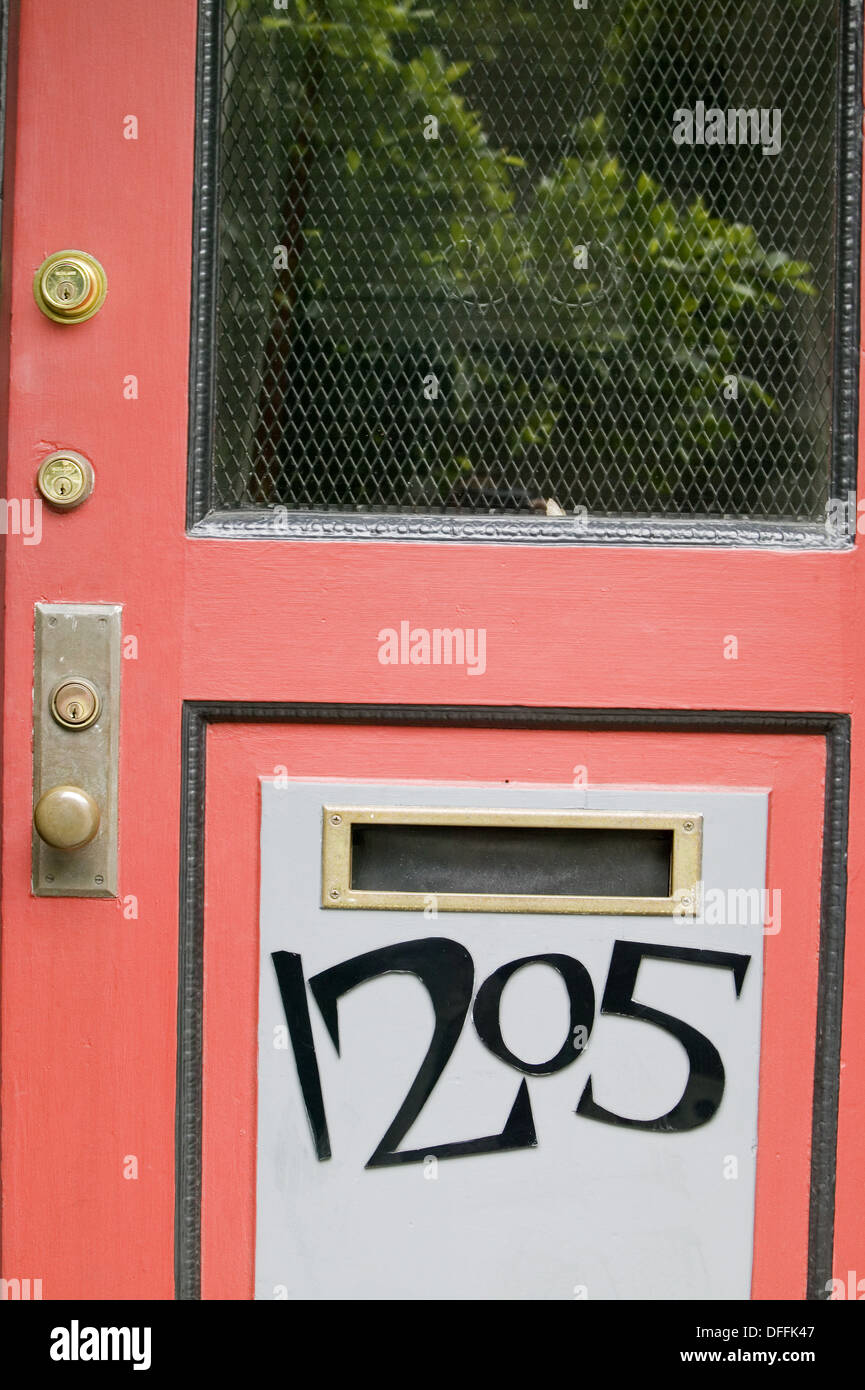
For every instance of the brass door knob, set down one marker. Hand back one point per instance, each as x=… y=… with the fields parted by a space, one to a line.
x=70 y=286
x=66 y=817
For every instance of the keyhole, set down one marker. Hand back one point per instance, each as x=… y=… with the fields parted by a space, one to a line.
x=63 y=487
x=66 y=290
x=73 y=710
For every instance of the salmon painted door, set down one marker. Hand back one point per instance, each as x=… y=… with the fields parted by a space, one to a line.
x=432 y=651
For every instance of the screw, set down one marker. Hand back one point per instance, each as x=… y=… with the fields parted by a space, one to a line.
x=336 y=820
x=687 y=825
x=49 y=878
x=334 y=892
x=99 y=879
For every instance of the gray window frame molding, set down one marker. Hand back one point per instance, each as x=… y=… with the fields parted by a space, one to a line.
x=205 y=521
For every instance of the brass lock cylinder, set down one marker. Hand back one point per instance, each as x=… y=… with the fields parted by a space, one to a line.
x=75 y=703
x=70 y=286
x=65 y=479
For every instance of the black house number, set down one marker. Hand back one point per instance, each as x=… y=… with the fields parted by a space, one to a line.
x=446 y=970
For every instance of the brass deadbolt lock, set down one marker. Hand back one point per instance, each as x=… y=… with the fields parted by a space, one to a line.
x=65 y=479
x=75 y=703
x=70 y=286
x=66 y=817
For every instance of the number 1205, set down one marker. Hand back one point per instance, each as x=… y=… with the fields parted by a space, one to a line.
x=446 y=970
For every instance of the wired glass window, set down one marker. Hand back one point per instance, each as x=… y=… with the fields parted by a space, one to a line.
x=530 y=258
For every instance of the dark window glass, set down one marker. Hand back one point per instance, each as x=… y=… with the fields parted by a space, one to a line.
x=499 y=257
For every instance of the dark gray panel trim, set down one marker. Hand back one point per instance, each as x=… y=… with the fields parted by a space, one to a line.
x=204 y=522
x=848 y=241
x=277 y=522
x=198 y=715
x=205 y=258
x=830 y=989
x=190 y=1003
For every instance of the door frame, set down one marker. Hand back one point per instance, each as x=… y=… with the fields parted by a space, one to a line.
x=801 y=617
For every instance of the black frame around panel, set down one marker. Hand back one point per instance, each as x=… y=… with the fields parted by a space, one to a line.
x=275 y=523
x=199 y=715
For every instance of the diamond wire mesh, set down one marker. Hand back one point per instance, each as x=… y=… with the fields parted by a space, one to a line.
x=475 y=257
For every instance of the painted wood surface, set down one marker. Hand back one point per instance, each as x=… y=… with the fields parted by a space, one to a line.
x=89 y=995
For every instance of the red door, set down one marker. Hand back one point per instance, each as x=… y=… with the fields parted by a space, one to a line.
x=286 y=552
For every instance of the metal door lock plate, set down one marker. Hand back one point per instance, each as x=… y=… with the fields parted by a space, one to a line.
x=76 y=709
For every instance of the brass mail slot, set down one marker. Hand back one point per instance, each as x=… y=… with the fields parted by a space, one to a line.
x=481 y=860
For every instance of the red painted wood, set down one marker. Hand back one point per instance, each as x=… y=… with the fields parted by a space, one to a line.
x=89 y=997
x=238 y=755
x=580 y=626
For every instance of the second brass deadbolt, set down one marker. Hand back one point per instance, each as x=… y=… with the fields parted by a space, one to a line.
x=65 y=479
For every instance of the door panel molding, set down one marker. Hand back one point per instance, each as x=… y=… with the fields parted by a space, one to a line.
x=199 y=715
